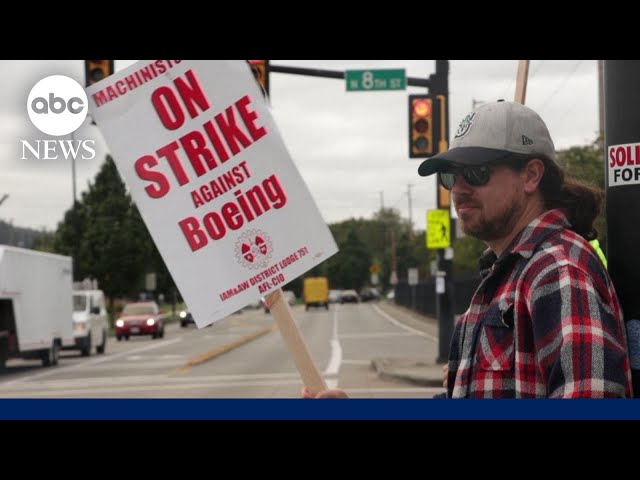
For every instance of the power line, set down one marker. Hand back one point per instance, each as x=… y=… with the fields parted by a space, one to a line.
x=536 y=69
x=559 y=87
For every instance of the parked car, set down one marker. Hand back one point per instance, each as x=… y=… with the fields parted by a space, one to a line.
x=186 y=318
x=90 y=322
x=349 y=296
x=140 y=318
x=256 y=304
x=334 y=296
x=369 y=294
x=288 y=295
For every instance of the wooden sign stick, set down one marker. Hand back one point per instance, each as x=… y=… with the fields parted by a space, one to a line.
x=521 y=81
x=311 y=377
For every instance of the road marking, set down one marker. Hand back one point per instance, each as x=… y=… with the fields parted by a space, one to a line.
x=160 y=383
x=405 y=327
x=216 y=352
x=358 y=336
x=91 y=361
x=335 y=359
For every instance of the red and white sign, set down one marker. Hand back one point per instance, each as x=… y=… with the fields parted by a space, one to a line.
x=206 y=166
x=623 y=164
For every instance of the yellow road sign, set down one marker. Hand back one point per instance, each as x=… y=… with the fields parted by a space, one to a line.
x=438 y=229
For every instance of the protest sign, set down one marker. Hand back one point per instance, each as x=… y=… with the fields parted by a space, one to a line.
x=197 y=146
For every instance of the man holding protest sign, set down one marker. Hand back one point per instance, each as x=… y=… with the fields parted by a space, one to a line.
x=545 y=320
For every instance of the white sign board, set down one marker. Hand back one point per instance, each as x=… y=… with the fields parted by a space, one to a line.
x=623 y=164
x=204 y=161
x=413 y=276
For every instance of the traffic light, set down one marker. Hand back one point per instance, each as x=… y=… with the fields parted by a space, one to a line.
x=96 y=70
x=423 y=126
x=260 y=69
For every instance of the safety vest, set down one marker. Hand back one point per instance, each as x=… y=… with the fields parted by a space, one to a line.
x=596 y=246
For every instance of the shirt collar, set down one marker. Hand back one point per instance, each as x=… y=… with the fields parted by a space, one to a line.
x=526 y=242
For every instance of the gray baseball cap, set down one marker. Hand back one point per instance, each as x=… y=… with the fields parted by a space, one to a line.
x=494 y=131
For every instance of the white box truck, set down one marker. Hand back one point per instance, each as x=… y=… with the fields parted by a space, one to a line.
x=90 y=321
x=35 y=305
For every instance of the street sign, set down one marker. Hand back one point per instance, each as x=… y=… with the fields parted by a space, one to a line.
x=413 y=276
x=438 y=229
x=150 y=281
x=385 y=79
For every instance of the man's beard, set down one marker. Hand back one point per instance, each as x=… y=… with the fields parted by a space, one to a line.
x=495 y=228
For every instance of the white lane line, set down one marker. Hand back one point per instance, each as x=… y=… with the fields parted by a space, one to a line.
x=145 y=381
x=91 y=361
x=356 y=362
x=335 y=360
x=403 y=326
x=359 y=336
x=434 y=390
x=203 y=385
x=147 y=388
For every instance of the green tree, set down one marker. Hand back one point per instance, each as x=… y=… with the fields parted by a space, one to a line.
x=104 y=235
x=349 y=268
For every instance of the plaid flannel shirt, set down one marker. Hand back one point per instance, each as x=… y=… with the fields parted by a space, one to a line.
x=545 y=321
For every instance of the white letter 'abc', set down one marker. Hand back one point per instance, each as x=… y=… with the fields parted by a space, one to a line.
x=57 y=105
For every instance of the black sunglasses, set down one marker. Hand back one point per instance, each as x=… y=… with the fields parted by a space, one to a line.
x=474 y=175
x=478 y=175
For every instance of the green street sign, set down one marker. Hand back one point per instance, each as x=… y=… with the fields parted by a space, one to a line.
x=387 y=79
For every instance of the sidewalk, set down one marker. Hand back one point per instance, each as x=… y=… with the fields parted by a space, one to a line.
x=420 y=371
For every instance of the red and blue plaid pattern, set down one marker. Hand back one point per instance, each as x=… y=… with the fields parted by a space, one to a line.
x=544 y=322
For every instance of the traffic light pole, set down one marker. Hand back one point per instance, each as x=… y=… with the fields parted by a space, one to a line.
x=444 y=297
x=437 y=84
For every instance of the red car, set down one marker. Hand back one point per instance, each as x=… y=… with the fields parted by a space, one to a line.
x=140 y=318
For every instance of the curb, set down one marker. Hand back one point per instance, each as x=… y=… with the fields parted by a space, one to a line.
x=416 y=372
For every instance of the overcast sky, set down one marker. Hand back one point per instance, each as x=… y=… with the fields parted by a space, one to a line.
x=350 y=147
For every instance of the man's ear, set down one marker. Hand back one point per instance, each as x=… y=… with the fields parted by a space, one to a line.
x=533 y=172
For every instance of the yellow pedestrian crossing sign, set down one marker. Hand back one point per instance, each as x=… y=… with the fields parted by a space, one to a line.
x=438 y=229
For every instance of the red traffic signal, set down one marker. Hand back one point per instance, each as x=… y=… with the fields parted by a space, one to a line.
x=423 y=126
x=96 y=70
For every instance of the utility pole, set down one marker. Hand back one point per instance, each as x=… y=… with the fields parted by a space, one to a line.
x=601 y=102
x=73 y=172
x=410 y=215
x=622 y=142
x=394 y=272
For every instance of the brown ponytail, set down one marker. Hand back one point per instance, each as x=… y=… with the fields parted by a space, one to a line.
x=582 y=201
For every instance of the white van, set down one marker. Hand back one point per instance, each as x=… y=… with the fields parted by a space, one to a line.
x=90 y=321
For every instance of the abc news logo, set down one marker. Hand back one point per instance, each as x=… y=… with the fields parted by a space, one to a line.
x=57 y=106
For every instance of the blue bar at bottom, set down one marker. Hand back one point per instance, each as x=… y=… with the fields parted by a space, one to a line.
x=327 y=409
